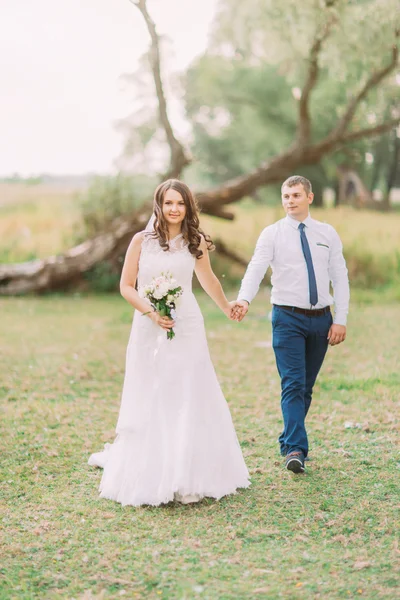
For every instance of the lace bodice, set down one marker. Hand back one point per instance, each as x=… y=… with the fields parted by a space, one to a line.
x=154 y=260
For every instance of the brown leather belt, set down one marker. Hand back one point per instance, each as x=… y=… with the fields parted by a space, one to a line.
x=316 y=312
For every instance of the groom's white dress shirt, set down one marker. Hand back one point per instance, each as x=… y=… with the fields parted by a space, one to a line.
x=279 y=246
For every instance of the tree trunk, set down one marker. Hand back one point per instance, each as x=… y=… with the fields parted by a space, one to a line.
x=392 y=172
x=58 y=272
x=351 y=189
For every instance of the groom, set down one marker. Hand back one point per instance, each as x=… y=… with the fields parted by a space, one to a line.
x=305 y=256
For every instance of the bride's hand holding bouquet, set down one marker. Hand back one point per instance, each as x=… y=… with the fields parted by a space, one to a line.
x=162 y=293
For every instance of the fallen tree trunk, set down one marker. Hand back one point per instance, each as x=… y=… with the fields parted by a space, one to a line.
x=63 y=271
x=59 y=272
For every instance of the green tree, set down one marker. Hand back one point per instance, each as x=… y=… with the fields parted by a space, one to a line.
x=243 y=95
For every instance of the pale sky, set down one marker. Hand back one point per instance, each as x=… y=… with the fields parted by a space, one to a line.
x=60 y=62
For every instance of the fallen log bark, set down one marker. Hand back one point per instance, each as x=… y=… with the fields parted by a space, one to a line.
x=58 y=272
x=62 y=271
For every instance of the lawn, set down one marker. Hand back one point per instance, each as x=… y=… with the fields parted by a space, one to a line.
x=332 y=533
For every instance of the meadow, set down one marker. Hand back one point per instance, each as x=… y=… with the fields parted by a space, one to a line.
x=330 y=534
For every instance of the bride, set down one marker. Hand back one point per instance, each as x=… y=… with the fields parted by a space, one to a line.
x=175 y=436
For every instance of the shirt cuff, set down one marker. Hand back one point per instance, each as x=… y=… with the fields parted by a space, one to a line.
x=340 y=318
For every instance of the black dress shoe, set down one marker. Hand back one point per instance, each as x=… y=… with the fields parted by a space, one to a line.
x=295 y=461
x=306 y=458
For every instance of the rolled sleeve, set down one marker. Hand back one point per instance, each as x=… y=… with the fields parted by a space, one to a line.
x=261 y=260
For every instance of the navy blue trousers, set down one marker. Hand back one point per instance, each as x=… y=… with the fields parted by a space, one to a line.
x=300 y=344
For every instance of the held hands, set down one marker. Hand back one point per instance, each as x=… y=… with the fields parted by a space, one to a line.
x=237 y=310
x=336 y=334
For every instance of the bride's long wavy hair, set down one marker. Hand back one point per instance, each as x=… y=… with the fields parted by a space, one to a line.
x=190 y=225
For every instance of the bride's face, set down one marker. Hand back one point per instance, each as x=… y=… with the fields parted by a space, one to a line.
x=174 y=208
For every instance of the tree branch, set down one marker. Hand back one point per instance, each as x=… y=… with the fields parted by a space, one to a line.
x=217 y=211
x=282 y=166
x=354 y=136
x=268 y=172
x=178 y=157
x=329 y=145
x=372 y=82
x=304 y=124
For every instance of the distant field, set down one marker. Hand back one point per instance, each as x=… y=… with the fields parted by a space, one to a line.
x=36 y=221
x=370 y=239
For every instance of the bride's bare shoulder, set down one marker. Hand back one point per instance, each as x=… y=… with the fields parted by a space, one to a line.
x=136 y=242
x=141 y=239
x=138 y=238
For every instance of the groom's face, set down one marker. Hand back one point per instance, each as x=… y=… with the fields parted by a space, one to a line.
x=296 y=202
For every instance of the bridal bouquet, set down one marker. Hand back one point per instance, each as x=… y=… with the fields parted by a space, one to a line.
x=162 y=293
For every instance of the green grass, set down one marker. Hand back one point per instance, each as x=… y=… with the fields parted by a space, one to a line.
x=332 y=533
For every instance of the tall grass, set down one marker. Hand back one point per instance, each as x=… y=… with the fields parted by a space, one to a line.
x=370 y=239
x=36 y=221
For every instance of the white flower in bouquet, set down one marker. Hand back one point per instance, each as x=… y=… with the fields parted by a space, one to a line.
x=145 y=291
x=160 y=291
x=163 y=293
x=164 y=288
x=157 y=294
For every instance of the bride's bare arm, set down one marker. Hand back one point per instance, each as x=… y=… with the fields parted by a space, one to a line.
x=128 y=281
x=210 y=282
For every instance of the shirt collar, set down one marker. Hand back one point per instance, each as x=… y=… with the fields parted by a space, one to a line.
x=295 y=224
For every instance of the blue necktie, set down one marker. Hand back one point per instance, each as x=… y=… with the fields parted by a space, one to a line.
x=310 y=268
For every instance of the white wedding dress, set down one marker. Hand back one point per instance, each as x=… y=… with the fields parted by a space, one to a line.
x=175 y=436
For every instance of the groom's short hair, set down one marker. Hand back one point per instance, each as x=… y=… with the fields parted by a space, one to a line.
x=295 y=180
